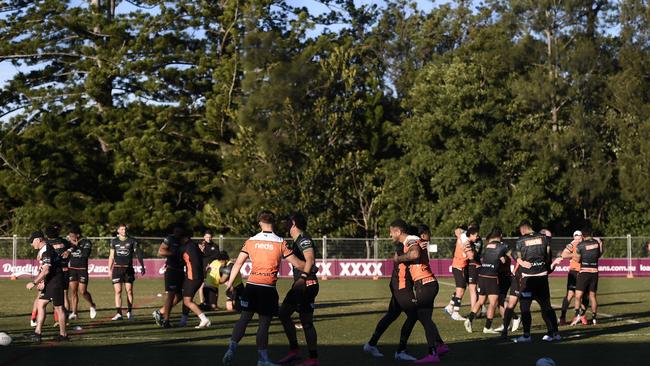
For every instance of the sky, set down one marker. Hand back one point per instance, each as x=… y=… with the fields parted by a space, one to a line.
x=7 y=70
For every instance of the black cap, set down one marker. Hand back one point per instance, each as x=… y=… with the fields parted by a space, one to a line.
x=36 y=235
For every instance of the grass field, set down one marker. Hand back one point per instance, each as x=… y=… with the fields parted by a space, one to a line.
x=347 y=313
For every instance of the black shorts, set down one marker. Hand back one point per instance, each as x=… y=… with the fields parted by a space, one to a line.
x=191 y=287
x=78 y=275
x=66 y=279
x=571 y=280
x=174 y=280
x=488 y=285
x=303 y=301
x=52 y=293
x=504 y=284
x=587 y=282
x=472 y=274
x=262 y=300
x=536 y=288
x=460 y=277
x=426 y=291
x=515 y=285
x=123 y=275
x=404 y=299
x=235 y=296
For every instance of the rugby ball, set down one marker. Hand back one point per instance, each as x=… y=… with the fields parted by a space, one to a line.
x=545 y=361
x=5 y=339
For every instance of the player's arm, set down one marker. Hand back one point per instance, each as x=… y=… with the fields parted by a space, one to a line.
x=295 y=261
x=600 y=247
x=576 y=255
x=236 y=268
x=164 y=251
x=45 y=269
x=140 y=255
x=310 y=260
x=86 y=249
x=411 y=255
x=517 y=256
x=111 y=261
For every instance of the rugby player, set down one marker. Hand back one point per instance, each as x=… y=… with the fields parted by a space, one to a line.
x=260 y=296
x=63 y=249
x=210 y=253
x=425 y=285
x=302 y=295
x=193 y=259
x=78 y=269
x=572 y=276
x=587 y=254
x=509 y=279
x=463 y=252
x=218 y=273
x=494 y=256
x=533 y=254
x=121 y=271
x=49 y=282
x=171 y=248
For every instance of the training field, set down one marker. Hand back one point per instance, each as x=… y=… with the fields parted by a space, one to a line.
x=346 y=315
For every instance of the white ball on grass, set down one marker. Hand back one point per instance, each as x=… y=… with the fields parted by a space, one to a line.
x=545 y=361
x=5 y=339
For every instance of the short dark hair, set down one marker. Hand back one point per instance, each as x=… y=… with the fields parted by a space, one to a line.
x=474 y=224
x=587 y=230
x=208 y=232
x=74 y=229
x=400 y=224
x=495 y=233
x=266 y=217
x=223 y=256
x=471 y=231
x=53 y=231
x=299 y=220
x=423 y=228
x=122 y=225
x=525 y=223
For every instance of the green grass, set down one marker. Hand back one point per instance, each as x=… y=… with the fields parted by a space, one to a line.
x=347 y=313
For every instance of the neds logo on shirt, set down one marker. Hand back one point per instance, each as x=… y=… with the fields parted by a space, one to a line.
x=265 y=246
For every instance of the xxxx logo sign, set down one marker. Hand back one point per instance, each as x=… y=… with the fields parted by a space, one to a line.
x=360 y=269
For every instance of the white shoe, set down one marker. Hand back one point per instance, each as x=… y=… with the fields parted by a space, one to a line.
x=575 y=321
x=203 y=324
x=448 y=309
x=374 y=351
x=468 y=325
x=130 y=315
x=266 y=363
x=403 y=356
x=227 y=358
x=499 y=328
x=523 y=339
x=456 y=316
x=32 y=323
x=547 y=338
x=72 y=316
x=515 y=324
x=490 y=331
x=117 y=316
x=93 y=312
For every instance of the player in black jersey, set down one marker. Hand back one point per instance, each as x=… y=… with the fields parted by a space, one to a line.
x=49 y=282
x=493 y=257
x=63 y=249
x=302 y=295
x=210 y=253
x=587 y=254
x=78 y=269
x=171 y=248
x=121 y=271
x=194 y=274
x=534 y=256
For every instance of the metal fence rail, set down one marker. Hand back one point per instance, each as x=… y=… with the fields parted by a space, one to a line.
x=629 y=247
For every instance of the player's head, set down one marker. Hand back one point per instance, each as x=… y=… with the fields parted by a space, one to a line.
x=525 y=227
x=37 y=240
x=74 y=233
x=495 y=234
x=472 y=233
x=178 y=230
x=423 y=232
x=587 y=231
x=53 y=231
x=121 y=230
x=547 y=233
x=398 y=229
x=297 y=223
x=223 y=257
x=577 y=235
x=266 y=220
x=207 y=235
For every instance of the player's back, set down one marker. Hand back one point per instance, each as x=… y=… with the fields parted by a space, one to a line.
x=266 y=251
